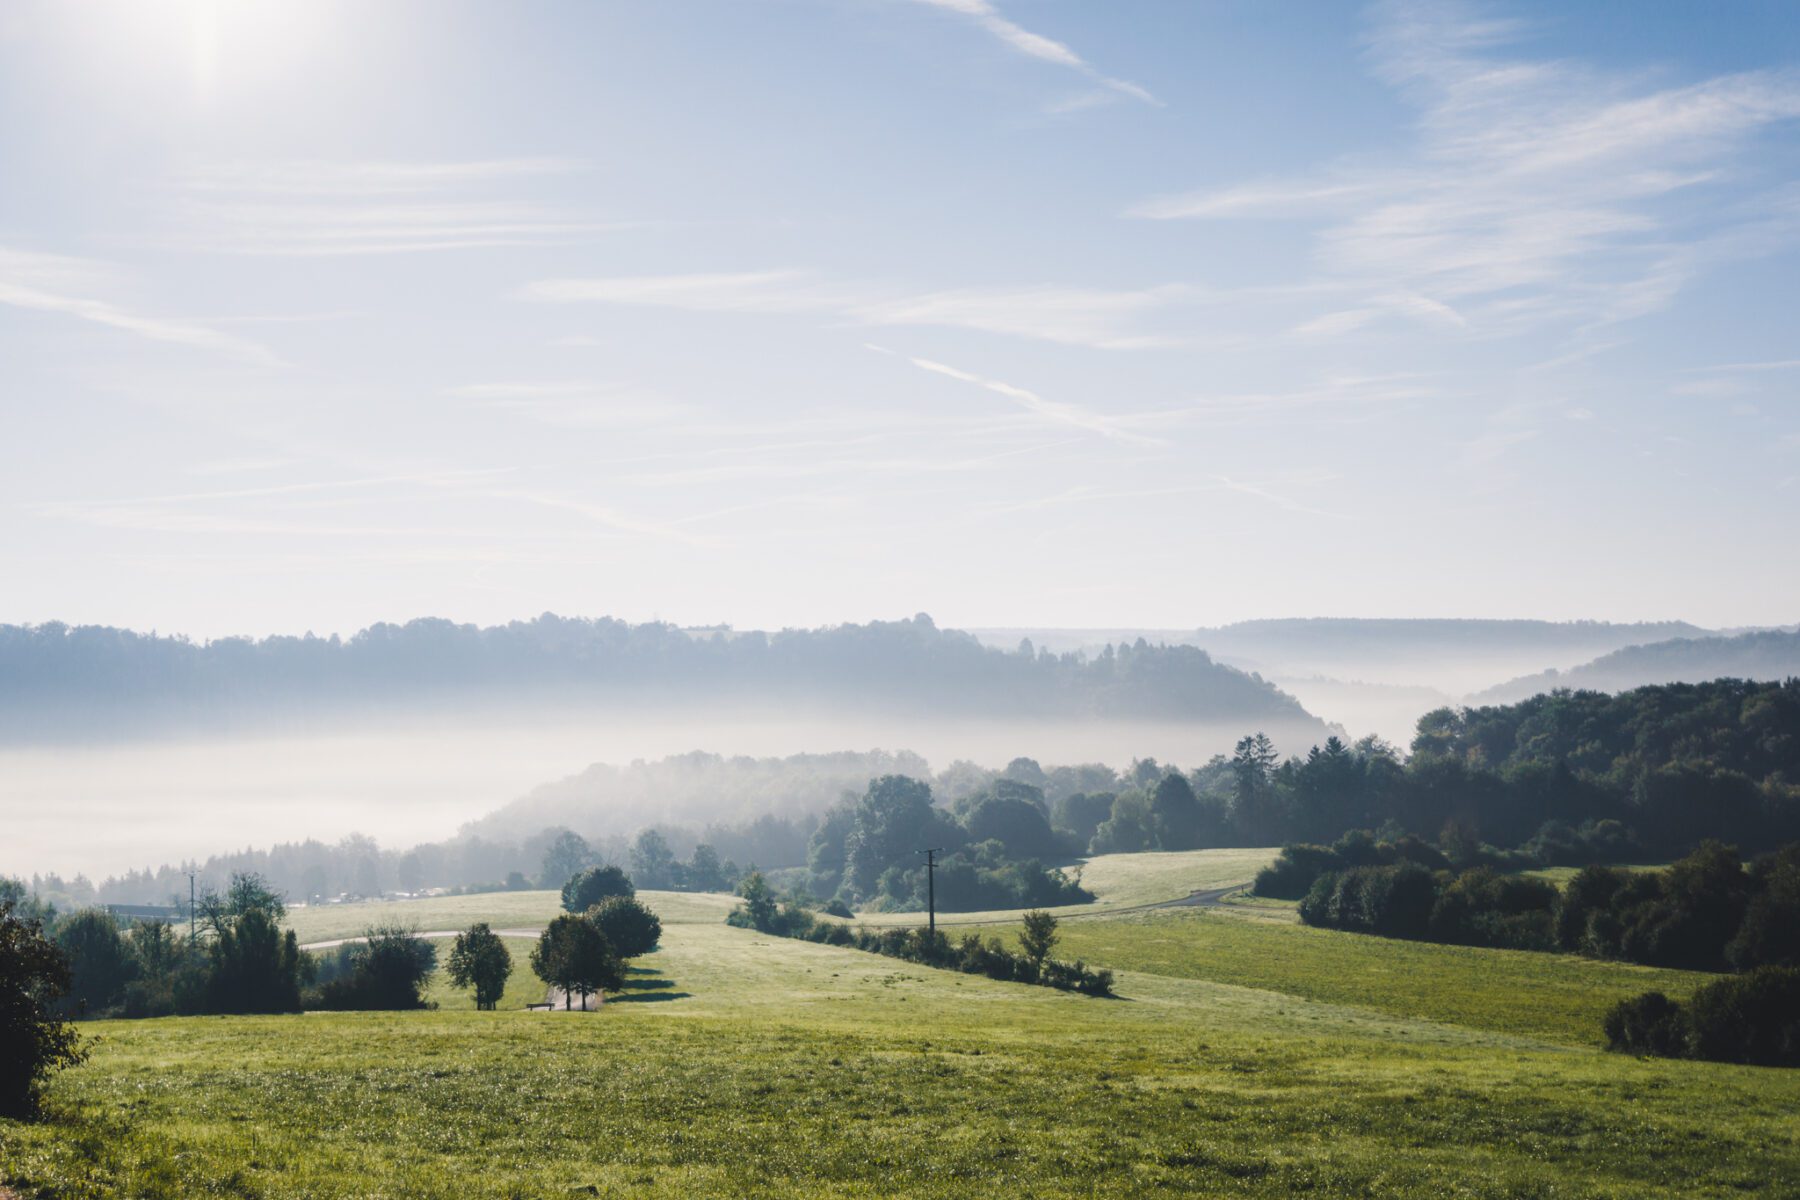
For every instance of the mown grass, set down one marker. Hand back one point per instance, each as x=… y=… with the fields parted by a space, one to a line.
x=783 y=1068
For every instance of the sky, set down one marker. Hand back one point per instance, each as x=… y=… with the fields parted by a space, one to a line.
x=791 y=312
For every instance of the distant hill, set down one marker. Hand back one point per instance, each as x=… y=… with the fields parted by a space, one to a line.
x=693 y=789
x=95 y=681
x=1769 y=655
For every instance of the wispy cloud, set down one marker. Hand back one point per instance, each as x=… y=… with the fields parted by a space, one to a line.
x=1051 y=411
x=49 y=283
x=1036 y=45
x=1537 y=191
x=1095 y=317
x=348 y=208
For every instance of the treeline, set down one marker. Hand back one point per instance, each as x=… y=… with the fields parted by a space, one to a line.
x=358 y=867
x=1705 y=912
x=89 y=681
x=1670 y=765
x=767 y=912
x=1765 y=654
x=869 y=852
x=240 y=960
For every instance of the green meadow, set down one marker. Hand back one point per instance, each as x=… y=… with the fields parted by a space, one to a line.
x=1244 y=1057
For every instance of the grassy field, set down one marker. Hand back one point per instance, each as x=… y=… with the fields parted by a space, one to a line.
x=1244 y=1058
x=1127 y=881
x=502 y=910
x=1554 y=997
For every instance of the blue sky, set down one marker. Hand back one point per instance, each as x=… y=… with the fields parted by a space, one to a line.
x=783 y=312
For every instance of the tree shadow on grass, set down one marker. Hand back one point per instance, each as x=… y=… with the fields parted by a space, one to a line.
x=643 y=986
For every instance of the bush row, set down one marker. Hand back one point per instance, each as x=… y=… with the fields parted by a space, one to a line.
x=970 y=954
x=1750 y=1018
x=1705 y=912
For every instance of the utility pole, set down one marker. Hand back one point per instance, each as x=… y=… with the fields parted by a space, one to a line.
x=931 y=885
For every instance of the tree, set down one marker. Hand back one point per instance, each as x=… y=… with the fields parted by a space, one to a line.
x=1016 y=823
x=566 y=856
x=480 y=960
x=247 y=891
x=254 y=967
x=34 y=1041
x=653 y=862
x=705 y=873
x=388 y=971
x=1175 y=810
x=574 y=956
x=588 y=888
x=759 y=905
x=99 y=966
x=1038 y=937
x=628 y=924
x=894 y=818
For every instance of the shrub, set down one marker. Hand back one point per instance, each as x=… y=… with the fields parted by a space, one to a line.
x=1648 y=1024
x=34 y=1041
x=387 y=970
x=1751 y=1018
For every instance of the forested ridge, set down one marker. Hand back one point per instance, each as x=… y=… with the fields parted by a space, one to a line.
x=86 y=680
x=1764 y=654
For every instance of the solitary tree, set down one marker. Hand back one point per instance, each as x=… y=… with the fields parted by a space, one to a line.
x=574 y=956
x=34 y=1041
x=480 y=960
x=628 y=924
x=1038 y=937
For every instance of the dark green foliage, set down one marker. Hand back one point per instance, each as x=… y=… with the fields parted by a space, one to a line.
x=254 y=967
x=1648 y=1024
x=837 y=908
x=1769 y=934
x=34 y=1040
x=167 y=974
x=575 y=957
x=387 y=970
x=588 y=888
x=1476 y=908
x=1685 y=916
x=1292 y=873
x=760 y=906
x=1038 y=937
x=480 y=960
x=246 y=891
x=628 y=924
x=1751 y=1018
x=100 y=965
x=1081 y=813
x=893 y=821
x=1015 y=821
